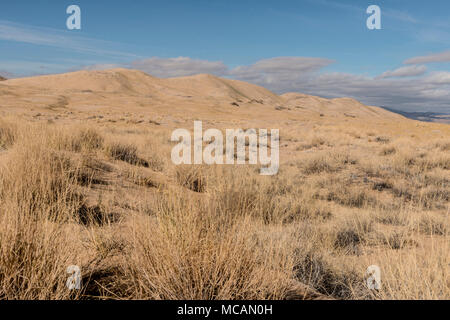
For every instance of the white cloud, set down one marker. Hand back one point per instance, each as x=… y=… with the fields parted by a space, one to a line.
x=408 y=71
x=437 y=57
x=178 y=67
x=431 y=93
x=16 y=32
x=279 y=70
x=268 y=71
x=439 y=78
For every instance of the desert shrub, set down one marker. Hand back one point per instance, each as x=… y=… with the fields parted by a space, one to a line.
x=388 y=151
x=89 y=139
x=243 y=194
x=125 y=152
x=187 y=255
x=351 y=196
x=433 y=225
x=353 y=232
x=382 y=139
x=74 y=139
x=314 y=269
x=319 y=164
x=8 y=134
x=90 y=171
x=327 y=162
x=40 y=180
x=35 y=254
x=398 y=240
x=192 y=177
x=37 y=196
x=393 y=217
x=443 y=145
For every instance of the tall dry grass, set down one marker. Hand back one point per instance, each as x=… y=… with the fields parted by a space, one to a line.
x=109 y=200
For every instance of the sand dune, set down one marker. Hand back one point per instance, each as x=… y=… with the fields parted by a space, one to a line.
x=205 y=85
x=347 y=107
x=110 y=81
x=126 y=90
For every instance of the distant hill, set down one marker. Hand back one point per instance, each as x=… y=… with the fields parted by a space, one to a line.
x=2 y=78
x=346 y=107
x=423 y=116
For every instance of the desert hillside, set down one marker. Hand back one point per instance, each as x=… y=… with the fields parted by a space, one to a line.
x=86 y=179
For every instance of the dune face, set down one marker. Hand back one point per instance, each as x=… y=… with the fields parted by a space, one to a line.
x=346 y=107
x=223 y=89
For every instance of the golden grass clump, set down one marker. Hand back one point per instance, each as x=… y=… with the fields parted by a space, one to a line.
x=37 y=202
x=186 y=253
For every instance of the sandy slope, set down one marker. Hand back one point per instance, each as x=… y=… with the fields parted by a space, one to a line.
x=337 y=107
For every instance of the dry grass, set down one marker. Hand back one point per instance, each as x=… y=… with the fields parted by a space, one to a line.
x=109 y=200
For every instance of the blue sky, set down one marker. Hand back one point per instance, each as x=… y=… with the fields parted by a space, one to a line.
x=318 y=47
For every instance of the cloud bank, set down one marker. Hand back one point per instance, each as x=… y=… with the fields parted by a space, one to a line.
x=178 y=67
x=437 y=57
x=408 y=88
x=408 y=71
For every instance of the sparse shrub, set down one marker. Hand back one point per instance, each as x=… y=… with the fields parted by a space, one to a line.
x=319 y=164
x=353 y=232
x=125 y=152
x=350 y=196
x=398 y=240
x=8 y=133
x=317 y=141
x=313 y=269
x=90 y=171
x=432 y=225
x=89 y=139
x=39 y=180
x=192 y=177
x=382 y=139
x=347 y=238
x=388 y=151
x=443 y=145
x=329 y=162
x=382 y=185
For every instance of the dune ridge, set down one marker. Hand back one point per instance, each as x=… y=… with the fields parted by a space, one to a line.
x=203 y=90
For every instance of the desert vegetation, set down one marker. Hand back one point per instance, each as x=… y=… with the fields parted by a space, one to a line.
x=105 y=196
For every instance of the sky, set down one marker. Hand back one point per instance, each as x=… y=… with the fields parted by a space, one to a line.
x=319 y=47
